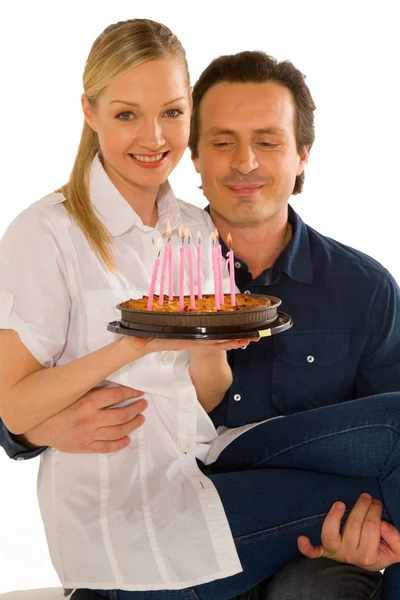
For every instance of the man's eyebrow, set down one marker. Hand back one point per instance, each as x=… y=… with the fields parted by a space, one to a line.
x=264 y=130
x=136 y=105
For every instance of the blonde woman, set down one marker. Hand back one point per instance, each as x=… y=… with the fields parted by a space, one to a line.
x=145 y=521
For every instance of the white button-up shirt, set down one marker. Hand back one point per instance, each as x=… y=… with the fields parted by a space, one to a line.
x=145 y=517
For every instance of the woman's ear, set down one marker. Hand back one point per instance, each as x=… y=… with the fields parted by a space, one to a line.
x=88 y=112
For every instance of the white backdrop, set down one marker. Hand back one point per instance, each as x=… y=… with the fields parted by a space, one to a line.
x=349 y=52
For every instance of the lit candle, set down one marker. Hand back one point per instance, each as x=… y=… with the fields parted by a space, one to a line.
x=199 y=267
x=219 y=263
x=215 y=269
x=231 y=269
x=170 y=264
x=163 y=273
x=154 y=277
x=182 y=268
x=188 y=234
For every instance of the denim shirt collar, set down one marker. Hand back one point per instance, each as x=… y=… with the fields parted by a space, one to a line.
x=294 y=261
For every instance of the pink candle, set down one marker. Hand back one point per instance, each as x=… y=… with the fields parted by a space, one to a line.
x=170 y=264
x=231 y=270
x=190 y=268
x=199 y=267
x=215 y=269
x=182 y=269
x=154 y=278
x=163 y=273
x=220 y=278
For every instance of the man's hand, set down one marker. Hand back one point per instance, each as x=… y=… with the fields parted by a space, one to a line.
x=366 y=540
x=89 y=426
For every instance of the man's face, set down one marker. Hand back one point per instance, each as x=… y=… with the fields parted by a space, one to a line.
x=247 y=155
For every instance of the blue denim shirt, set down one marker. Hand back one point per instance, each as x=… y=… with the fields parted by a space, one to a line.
x=344 y=344
x=345 y=341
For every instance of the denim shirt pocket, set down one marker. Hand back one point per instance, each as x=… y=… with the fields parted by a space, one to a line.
x=310 y=369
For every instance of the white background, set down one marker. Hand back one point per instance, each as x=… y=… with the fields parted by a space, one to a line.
x=348 y=50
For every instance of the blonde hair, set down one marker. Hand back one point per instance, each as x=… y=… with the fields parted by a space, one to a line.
x=118 y=49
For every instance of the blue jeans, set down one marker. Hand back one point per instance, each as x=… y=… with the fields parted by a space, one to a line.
x=279 y=479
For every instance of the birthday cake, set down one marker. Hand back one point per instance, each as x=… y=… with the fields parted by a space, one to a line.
x=249 y=309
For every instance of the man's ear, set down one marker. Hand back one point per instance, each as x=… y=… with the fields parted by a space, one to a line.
x=195 y=162
x=88 y=112
x=303 y=159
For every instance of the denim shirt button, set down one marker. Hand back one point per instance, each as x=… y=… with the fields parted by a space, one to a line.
x=310 y=359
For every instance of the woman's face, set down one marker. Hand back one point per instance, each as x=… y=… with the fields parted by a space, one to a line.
x=142 y=120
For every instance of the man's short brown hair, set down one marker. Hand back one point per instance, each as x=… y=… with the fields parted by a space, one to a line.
x=258 y=67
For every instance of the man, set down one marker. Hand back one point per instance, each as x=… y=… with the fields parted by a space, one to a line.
x=251 y=134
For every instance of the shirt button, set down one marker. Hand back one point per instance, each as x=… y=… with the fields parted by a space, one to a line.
x=4 y=298
x=238 y=264
x=247 y=291
x=237 y=397
x=187 y=446
x=168 y=358
x=310 y=359
x=20 y=458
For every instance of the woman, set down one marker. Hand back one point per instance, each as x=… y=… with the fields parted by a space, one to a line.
x=147 y=517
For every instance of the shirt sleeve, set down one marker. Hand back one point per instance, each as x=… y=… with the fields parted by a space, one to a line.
x=15 y=449
x=34 y=295
x=379 y=367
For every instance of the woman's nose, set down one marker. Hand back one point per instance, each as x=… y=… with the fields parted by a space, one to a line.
x=151 y=136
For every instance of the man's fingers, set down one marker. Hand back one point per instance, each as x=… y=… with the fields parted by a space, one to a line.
x=352 y=528
x=391 y=536
x=330 y=536
x=109 y=396
x=106 y=447
x=306 y=547
x=121 y=415
x=115 y=432
x=370 y=533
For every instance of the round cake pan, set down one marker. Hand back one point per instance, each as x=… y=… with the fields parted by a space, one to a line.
x=258 y=316
x=281 y=323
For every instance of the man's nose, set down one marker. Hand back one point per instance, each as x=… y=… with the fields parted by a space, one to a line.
x=151 y=136
x=244 y=159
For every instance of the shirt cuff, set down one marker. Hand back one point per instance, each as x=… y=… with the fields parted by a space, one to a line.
x=15 y=449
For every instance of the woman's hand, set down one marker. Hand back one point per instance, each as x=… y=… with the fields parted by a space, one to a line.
x=366 y=541
x=149 y=345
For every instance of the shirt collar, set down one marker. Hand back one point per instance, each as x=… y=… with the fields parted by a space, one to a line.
x=295 y=259
x=115 y=212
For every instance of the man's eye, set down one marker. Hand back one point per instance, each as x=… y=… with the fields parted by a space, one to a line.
x=222 y=144
x=173 y=112
x=267 y=144
x=124 y=116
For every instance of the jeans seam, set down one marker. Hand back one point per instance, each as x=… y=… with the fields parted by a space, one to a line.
x=193 y=595
x=323 y=437
x=265 y=533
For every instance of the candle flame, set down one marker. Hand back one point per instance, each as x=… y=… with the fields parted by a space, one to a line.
x=169 y=230
x=181 y=231
x=216 y=235
x=229 y=241
x=199 y=237
x=188 y=233
x=212 y=236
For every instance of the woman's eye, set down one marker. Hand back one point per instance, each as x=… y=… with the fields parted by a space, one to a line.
x=125 y=116
x=173 y=112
